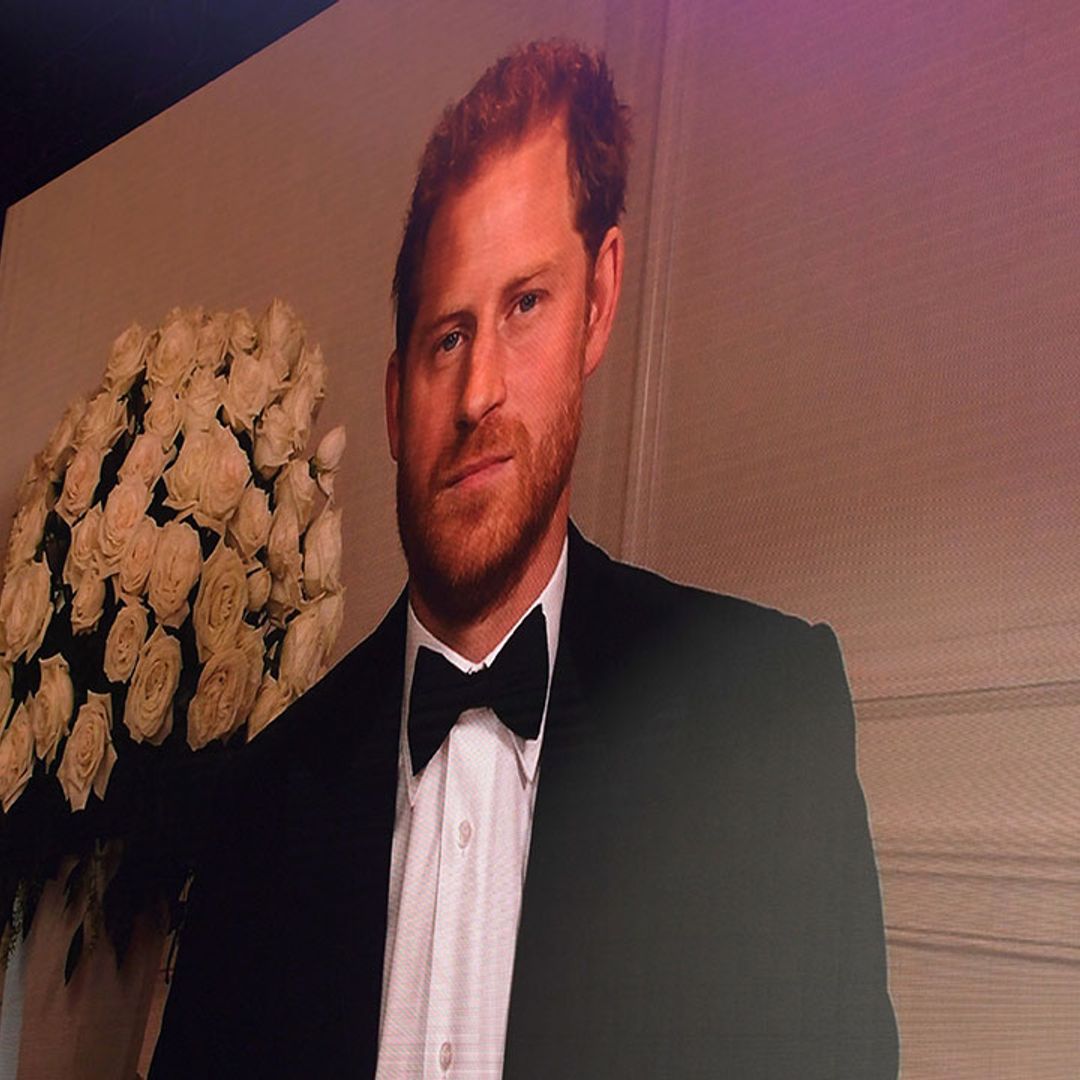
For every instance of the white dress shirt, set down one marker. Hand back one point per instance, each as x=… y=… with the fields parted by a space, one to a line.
x=461 y=842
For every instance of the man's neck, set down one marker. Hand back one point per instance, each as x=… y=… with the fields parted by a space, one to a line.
x=476 y=637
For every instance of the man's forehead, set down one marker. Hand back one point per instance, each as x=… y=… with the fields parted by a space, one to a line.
x=516 y=212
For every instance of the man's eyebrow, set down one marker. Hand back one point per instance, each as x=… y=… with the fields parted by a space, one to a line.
x=464 y=315
x=521 y=280
x=429 y=328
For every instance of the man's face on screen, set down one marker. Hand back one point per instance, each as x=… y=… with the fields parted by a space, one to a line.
x=485 y=411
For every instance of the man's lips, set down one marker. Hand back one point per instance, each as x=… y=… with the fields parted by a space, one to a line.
x=477 y=469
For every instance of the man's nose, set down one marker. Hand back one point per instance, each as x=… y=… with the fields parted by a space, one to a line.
x=484 y=379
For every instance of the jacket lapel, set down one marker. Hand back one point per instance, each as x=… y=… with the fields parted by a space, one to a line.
x=349 y=800
x=374 y=763
x=571 y=766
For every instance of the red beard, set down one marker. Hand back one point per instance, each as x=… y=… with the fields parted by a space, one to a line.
x=468 y=546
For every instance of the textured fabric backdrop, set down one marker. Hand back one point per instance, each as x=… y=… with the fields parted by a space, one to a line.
x=843 y=383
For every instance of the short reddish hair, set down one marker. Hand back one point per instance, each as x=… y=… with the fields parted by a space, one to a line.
x=532 y=85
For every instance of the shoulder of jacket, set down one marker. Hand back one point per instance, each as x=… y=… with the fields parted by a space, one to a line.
x=327 y=715
x=646 y=594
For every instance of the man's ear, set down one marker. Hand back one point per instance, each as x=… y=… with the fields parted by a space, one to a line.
x=603 y=297
x=393 y=403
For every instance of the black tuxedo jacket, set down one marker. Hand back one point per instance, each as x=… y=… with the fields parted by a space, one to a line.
x=701 y=898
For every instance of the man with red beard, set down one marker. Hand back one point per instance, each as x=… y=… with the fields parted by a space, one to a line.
x=563 y=818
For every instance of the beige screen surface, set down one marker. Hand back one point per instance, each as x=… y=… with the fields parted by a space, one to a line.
x=842 y=383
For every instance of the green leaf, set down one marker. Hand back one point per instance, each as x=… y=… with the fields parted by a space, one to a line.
x=30 y=903
x=73 y=954
x=74 y=882
x=119 y=907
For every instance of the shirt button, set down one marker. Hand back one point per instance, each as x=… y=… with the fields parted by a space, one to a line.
x=464 y=834
x=446 y=1056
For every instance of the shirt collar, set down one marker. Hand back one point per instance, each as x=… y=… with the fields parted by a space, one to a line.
x=416 y=634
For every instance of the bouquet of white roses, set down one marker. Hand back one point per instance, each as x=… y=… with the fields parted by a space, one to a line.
x=173 y=569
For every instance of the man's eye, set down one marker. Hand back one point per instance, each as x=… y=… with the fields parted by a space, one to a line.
x=450 y=342
x=528 y=301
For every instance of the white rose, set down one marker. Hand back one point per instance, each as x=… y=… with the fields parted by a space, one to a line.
x=221 y=602
x=248 y=391
x=61 y=444
x=5 y=692
x=126 y=360
x=83 y=554
x=88 y=603
x=282 y=335
x=277 y=367
x=164 y=415
x=283 y=545
x=286 y=597
x=224 y=483
x=331 y=448
x=16 y=757
x=148 y=710
x=311 y=371
x=331 y=614
x=258 y=588
x=173 y=359
x=295 y=486
x=126 y=637
x=25 y=610
x=138 y=557
x=252 y=643
x=210 y=343
x=28 y=528
x=275 y=440
x=272 y=700
x=89 y=756
x=300 y=405
x=222 y=699
x=105 y=417
x=302 y=652
x=322 y=553
x=242 y=335
x=176 y=568
x=201 y=401
x=124 y=509
x=35 y=478
x=51 y=707
x=80 y=483
x=184 y=480
x=145 y=461
x=250 y=525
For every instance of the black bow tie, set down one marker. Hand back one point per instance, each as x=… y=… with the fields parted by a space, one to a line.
x=514 y=687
